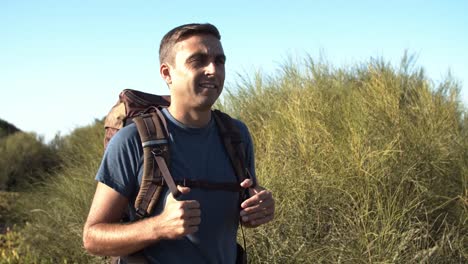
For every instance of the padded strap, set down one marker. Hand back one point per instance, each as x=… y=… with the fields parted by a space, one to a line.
x=152 y=128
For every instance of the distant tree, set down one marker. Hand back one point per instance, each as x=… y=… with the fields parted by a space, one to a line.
x=24 y=158
x=7 y=128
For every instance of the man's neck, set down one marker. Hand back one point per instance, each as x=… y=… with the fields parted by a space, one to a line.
x=190 y=117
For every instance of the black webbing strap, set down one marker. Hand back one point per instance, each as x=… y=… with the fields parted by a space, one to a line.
x=206 y=185
x=210 y=185
x=233 y=144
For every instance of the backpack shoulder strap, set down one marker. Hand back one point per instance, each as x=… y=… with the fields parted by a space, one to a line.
x=232 y=139
x=152 y=128
x=153 y=132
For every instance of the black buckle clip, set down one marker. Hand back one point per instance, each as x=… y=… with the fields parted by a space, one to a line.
x=157 y=152
x=140 y=213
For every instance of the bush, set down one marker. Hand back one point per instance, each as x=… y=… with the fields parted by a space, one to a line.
x=7 y=129
x=367 y=164
x=23 y=159
x=57 y=209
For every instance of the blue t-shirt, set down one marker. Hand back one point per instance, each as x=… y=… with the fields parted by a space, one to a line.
x=196 y=154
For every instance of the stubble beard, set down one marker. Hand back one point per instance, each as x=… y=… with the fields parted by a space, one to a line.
x=205 y=99
x=205 y=103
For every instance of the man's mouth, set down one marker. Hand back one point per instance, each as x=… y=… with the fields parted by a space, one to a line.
x=208 y=85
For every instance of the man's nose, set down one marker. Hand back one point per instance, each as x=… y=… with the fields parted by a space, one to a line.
x=211 y=68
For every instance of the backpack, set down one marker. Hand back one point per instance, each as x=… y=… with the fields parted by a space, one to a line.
x=144 y=110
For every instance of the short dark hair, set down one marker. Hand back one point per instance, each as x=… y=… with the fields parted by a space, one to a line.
x=181 y=33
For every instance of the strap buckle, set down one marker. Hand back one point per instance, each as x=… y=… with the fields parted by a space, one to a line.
x=158 y=181
x=140 y=213
x=157 y=152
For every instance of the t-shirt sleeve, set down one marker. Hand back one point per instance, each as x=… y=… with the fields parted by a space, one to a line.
x=121 y=162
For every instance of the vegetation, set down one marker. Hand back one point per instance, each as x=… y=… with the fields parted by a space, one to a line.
x=7 y=128
x=24 y=159
x=57 y=209
x=367 y=164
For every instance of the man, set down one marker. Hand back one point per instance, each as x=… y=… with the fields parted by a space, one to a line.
x=201 y=226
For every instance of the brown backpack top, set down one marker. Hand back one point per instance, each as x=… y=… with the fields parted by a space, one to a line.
x=131 y=103
x=144 y=110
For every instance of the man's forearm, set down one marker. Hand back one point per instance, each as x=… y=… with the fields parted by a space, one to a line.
x=117 y=239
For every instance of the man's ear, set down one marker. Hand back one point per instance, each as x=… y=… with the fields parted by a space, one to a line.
x=165 y=71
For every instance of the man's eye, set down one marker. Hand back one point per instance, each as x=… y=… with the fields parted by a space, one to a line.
x=197 y=61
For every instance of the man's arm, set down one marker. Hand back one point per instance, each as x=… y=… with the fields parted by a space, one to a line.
x=104 y=235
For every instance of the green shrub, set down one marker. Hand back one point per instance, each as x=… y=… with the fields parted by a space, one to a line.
x=57 y=209
x=10 y=252
x=24 y=158
x=7 y=129
x=368 y=165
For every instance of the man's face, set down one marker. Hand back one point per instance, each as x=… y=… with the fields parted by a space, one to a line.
x=197 y=75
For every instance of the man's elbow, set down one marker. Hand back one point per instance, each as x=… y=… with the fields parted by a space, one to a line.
x=88 y=242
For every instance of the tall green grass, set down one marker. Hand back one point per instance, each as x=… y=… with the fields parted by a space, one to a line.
x=367 y=164
x=56 y=210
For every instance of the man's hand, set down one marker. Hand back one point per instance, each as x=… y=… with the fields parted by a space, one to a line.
x=259 y=208
x=179 y=218
x=103 y=234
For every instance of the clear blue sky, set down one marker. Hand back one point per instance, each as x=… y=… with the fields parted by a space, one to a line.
x=63 y=63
